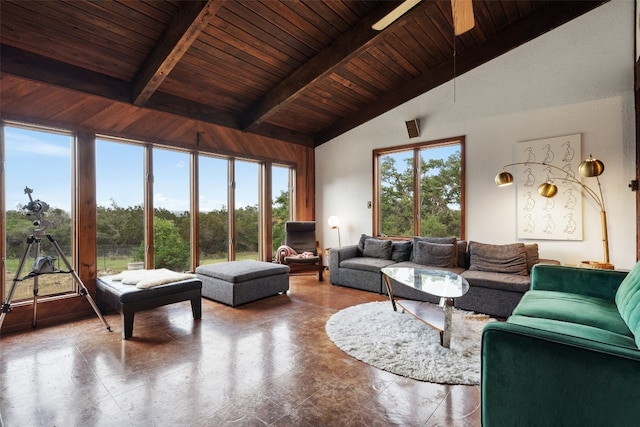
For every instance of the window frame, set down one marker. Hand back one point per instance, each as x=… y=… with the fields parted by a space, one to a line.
x=416 y=148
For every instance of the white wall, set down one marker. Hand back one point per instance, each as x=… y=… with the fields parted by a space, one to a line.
x=575 y=79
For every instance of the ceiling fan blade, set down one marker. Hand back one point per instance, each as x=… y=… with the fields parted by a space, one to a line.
x=396 y=13
x=462 y=16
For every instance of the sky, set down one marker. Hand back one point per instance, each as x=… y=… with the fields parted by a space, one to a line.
x=41 y=161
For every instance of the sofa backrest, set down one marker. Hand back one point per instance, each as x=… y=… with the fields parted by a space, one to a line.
x=628 y=301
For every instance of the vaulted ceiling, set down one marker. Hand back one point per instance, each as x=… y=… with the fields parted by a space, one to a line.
x=299 y=71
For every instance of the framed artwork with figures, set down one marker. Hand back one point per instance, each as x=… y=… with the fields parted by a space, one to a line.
x=559 y=217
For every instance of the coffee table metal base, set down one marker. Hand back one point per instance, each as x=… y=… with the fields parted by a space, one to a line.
x=427 y=313
x=432 y=316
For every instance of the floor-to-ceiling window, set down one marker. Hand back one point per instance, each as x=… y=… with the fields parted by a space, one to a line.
x=281 y=191
x=120 y=205
x=171 y=211
x=38 y=189
x=213 y=230
x=247 y=209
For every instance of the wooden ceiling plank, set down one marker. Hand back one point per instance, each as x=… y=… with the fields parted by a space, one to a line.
x=247 y=21
x=191 y=18
x=313 y=15
x=230 y=50
x=534 y=25
x=296 y=26
x=347 y=47
x=100 y=18
x=360 y=92
x=72 y=50
x=73 y=27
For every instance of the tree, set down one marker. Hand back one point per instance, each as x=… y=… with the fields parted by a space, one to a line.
x=396 y=198
x=439 y=195
x=279 y=216
x=170 y=250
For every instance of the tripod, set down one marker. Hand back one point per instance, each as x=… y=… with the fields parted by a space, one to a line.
x=45 y=268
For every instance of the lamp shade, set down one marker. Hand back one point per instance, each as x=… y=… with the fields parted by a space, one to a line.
x=334 y=222
x=591 y=167
x=548 y=189
x=504 y=178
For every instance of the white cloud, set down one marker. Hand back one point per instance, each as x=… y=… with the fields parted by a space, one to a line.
x=31 y=145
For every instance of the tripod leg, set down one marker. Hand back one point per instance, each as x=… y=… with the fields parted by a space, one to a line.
x=83 y=288
x=36 y=290
x=6 y=306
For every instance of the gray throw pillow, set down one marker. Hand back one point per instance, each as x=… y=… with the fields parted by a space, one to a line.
x=363 y=237
x=375 y=248
x=401 y=251
x=510 y=259
x=436 y=254
x=439 y=240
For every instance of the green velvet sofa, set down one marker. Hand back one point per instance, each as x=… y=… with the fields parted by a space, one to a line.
x=568 y=355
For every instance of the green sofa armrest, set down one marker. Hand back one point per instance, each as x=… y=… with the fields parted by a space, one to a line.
x=584 y=281
x=533 y=377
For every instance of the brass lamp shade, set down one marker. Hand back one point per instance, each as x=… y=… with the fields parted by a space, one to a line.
x=591 y=167
x=504 y=178
x=548 y=189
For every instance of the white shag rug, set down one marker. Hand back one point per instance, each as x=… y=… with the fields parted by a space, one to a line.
x=399 y=343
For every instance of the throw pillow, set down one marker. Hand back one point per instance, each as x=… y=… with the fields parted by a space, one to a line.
x=436 y=254
x=375 y=248
x=401 y=251
x=363 y=237
x=463 y=255
x=510 y=259
x=439 y=240
x=531 y=251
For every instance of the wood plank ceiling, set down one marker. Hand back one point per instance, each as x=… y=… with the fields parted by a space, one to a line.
x=299 y=71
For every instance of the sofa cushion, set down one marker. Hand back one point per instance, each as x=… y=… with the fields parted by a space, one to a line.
x=401 y=251
x=498 y=258
x=573 y=308
x=375 y=248
x=363 y=237
x=498 y=281
x=366 y=264
x=628 y=301
x=440 y=240
x=435 y=254
x=596 y=335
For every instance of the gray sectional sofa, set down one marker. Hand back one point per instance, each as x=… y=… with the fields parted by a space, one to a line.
x=498 y=275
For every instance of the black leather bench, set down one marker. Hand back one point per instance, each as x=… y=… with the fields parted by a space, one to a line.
x=127 y=299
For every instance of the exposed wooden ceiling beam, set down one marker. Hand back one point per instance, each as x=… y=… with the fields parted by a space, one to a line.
x=348 y=46
x=540 y=22
x=185 y=26
x=36 y=67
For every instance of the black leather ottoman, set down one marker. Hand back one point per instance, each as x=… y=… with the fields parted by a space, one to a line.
x=127 y=299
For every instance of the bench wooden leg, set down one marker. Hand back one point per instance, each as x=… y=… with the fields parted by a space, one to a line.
x=196 y=306
x=127 y=323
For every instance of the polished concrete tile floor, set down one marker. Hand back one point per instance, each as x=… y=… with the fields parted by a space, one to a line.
x=267 y=363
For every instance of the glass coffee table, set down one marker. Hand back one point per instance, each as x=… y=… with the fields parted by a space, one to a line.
x=440 y=283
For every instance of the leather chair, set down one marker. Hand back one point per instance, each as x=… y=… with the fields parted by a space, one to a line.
x=301 y=237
